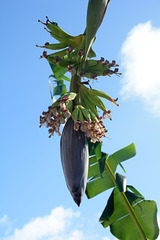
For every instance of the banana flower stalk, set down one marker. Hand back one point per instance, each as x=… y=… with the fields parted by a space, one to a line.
x=77 y=109
x=75 y=160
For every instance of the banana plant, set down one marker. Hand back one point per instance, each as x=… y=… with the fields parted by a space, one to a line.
x=87 y=169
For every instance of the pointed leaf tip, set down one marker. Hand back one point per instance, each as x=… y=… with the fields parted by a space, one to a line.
x=95 y=14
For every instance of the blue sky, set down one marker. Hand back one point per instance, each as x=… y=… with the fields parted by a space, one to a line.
x=34 y=196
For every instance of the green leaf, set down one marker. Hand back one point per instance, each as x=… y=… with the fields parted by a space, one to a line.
x=59 y=72
x=122 y=225
x=97 y=148
x=97 y=167
x=125 y=153
x=63 y=90
x=132 y=197
x=97 y=184
x=121 y=182
x=92 y=160
x=102 y=163
x=108 y=211
x=60 y=89
x=122 y=167
x=91 y=147
x=134 y=190
x=119 y=210
x=121 y=155
x=91 y=53
x=129 y=216
x=94 y=170
x=52 y=75
x=146 y=212
x=52 y=66
x=56 y=91
x=66 y=78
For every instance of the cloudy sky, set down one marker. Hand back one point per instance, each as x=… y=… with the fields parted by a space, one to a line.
x=35 y=203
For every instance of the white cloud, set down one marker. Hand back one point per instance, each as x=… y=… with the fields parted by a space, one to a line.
x=140 y=55
x=6 y=224
x=46 y=227
x=61 y=224
x=76 y=234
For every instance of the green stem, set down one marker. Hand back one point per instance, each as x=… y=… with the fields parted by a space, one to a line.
x=126 y=202
x=74 y=87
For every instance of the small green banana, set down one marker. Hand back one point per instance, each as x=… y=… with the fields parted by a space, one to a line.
x=83 y=73
x=55 y=46
x=91 y=63
x=80 y=116
x=69 y=106
x=98 y=68
x=77 y=41
x=97 y=101
x=63 y=62
x=93 y=116
x=60 y=35
x=75 y=114
x=83 y=102
x=57 y=32
x=88 y=74
x=92 y=98
x=88 y=103
x=51 y=57
x=53 y=30
x=103 y=95
x=86 y=113
x=84 y=97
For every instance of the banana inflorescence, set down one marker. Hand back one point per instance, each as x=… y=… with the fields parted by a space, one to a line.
x=79 y=108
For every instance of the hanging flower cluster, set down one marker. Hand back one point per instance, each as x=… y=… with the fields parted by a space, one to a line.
x=93 y=128
x=56 y=115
